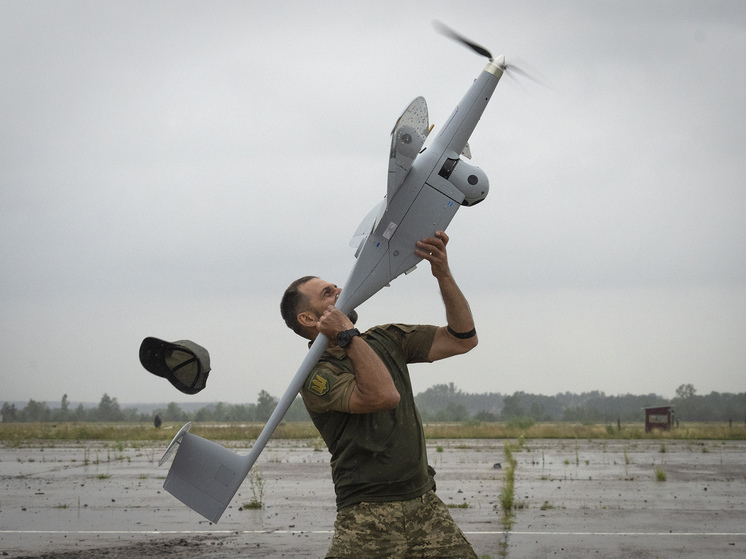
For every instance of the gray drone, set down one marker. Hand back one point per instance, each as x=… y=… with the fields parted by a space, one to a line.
x=425 y=188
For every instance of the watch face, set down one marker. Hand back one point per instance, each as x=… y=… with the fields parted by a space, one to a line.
x=344 y=337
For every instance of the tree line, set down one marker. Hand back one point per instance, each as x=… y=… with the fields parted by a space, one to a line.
x=109 y=410
x=440 y=403
x=444 y=402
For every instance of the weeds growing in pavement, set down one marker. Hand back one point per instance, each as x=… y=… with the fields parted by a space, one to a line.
x=256 y=483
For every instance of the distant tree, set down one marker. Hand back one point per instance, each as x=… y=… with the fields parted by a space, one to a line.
x=133 y=416
x=109 y=410
x=486 y=416
x=241 y=412
x=453 y=412
x=36 y=412
x=173 y=413
x=582 y=414
x=9 y=413
x=63 y=412
x=220 y=413
x=297 y=411
x=80 y=413
x=204 y=414
x=265 y=405
x=512 y=407
x=536 y=411
x=437 y=397
x=685 y=391
x=687 y=404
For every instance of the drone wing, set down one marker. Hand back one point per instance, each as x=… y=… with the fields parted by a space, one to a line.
x=367 y=225
x=407 y=138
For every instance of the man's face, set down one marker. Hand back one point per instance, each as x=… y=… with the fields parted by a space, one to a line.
x=320 y=295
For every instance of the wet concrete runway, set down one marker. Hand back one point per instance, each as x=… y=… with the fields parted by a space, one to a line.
x=574 y=499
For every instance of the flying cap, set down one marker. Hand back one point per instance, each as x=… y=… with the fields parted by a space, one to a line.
x=184 y=363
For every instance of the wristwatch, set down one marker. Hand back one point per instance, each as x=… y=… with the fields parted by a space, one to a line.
x=345 y=337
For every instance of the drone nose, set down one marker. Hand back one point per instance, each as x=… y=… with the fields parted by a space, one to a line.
x=496 y=66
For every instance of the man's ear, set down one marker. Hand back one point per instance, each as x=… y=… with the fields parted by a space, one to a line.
x=307 y=319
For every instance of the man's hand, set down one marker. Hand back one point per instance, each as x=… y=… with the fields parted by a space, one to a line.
x=433 y=249
x=332 y=322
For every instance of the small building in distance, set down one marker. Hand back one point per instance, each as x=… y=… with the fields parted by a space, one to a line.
x=658 y=417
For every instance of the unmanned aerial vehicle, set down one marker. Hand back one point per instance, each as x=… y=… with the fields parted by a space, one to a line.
x=425 y=188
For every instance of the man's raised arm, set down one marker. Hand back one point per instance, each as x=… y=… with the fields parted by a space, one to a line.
x=459 y=336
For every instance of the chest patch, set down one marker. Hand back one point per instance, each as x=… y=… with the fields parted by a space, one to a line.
x=320 y=383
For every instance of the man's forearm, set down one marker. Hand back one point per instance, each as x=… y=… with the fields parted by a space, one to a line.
x=458 y=312
x=460 y=321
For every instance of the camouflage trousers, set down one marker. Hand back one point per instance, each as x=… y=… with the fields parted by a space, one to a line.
x=421 y=528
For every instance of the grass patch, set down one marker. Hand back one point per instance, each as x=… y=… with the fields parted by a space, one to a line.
x=507 y=494
x=660 y=475
x=124 y=434
x=256 y=484
x=463 y=505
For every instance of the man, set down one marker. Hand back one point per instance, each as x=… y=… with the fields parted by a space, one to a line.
x=360 y=398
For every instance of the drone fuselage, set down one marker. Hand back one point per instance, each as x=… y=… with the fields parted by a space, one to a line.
x=438 y=183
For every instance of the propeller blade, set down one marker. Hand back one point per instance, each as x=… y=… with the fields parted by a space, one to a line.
x=443 y=29
x=521 y=72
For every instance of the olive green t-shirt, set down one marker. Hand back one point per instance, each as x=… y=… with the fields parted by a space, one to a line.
x=379 y=456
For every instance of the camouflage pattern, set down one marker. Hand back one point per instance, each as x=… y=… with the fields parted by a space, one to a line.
x=418 y=528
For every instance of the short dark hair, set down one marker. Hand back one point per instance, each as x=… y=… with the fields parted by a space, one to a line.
x=293 y=303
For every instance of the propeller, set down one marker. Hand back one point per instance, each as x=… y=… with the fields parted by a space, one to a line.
x=443 y=29
x=510 y=69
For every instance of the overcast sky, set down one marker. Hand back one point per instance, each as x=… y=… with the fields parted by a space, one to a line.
x=168 y=168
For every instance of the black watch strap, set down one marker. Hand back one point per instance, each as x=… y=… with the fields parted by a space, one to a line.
x=345 y=337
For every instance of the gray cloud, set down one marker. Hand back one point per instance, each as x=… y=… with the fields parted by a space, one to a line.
x=168 y=168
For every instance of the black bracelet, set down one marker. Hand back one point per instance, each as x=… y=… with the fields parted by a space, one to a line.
x=462 y=335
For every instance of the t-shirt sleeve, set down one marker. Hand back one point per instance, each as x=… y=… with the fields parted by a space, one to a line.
x=327 y=389
x=414 y=340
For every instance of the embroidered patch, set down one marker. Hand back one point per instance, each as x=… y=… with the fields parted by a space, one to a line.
x=320 y=383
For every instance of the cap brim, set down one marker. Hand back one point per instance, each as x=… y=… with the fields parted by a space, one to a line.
x=183 y=363
x=152 y=356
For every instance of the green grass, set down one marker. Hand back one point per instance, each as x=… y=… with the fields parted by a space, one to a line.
x=463 y=505
x=256 y=484
x=507 y=494
x=660 y=475
x=128 y=434
x=252 y=505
